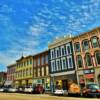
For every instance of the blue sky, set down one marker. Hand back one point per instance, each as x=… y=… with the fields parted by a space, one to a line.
x=27 y=26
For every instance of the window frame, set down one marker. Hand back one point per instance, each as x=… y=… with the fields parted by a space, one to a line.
x=96 y=57
x=86 y=60
x=78 y=60
x=75 y=47
x=83 y=44
x=95 y=37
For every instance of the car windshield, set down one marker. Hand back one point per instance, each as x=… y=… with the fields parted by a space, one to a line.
x=93 y=86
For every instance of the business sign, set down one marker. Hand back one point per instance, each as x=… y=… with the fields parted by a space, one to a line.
x=88 y=71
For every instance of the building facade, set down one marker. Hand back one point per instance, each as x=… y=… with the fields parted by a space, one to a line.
x=41 y=70
x=11 y=75
x=3 y=77
x=62 y=67
x=24 y=71
x=87 y=57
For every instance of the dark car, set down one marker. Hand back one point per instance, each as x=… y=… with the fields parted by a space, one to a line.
x=39 y=89
x=91 y=90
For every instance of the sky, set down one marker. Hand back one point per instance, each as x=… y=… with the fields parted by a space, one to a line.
x=27 y=26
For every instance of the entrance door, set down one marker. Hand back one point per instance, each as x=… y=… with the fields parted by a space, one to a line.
x=65 y=84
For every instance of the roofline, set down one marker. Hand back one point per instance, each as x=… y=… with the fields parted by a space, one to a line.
x=12 y=65
x=41 y=52
x=97 y=28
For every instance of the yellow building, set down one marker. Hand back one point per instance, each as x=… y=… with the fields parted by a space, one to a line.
x=24 y=71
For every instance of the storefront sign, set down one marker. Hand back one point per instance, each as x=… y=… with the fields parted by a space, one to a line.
x=88 y=71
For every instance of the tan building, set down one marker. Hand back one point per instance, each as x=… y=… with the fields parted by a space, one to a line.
x=24 y=71
x=41 y=70
x=87 y=56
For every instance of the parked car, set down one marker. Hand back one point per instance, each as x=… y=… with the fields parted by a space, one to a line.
x=39 y=89
x=2 y=89
x=12 y=90
x=20 y=89
x=29 y=89
x=91 y=90
x=74 y=90
x=59 y=92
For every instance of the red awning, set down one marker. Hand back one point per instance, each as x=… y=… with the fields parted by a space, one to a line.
x=89 y=76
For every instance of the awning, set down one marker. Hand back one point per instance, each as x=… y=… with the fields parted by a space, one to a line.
x=88 y=76
x=7 y=83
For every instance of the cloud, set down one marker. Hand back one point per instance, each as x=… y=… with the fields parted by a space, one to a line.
x=6 y=9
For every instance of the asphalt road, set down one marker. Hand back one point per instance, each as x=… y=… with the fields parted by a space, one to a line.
x=15 y=96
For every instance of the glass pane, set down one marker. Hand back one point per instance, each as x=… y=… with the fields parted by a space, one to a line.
x=98 y=57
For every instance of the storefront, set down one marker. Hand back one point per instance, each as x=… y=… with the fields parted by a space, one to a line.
x=45 y=82
x=89 y=75
x=62 y=81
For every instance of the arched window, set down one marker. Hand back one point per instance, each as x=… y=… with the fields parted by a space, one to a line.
x=97 y=55
x=88 y=60
x=79 y=61
x=95 y=42
x=85 y=45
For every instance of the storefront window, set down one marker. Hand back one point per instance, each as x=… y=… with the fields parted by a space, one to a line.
x=97 y=54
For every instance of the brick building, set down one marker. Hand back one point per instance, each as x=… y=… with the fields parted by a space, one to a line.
x=87 y=56
x=41 y=70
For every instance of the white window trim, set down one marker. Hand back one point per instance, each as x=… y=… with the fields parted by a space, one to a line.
x=53 y=69
x=57 y=67
x=51 y=53
x=62 y=47
x=69 y=67
x=57 y=49
x=62 y=63
x=68 y=45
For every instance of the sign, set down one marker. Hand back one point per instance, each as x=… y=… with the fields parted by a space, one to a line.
x=88 y=71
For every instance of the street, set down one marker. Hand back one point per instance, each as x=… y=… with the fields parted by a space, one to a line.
x=15 y=96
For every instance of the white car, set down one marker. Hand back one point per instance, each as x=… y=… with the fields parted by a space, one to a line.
x=12 y=90
x=29 y=89
x=59 y=92
x=1 y=89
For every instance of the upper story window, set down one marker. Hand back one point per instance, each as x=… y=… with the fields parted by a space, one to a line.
x=95 y=42
x=57 y=52
x=85 y=45
x=34 y=62
x=97 y=55
x=70 y=62
x=68 y=49
x=27 y=62
x=62 y=50
x=64 y=64
x=88 y=60
x=46 y=59
x=53 y=66
x=58 y=65
x=52 y=53
x=42 y=60
x=79 y=61
x=38 y=61
x=30 y=61
x=77 y=47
